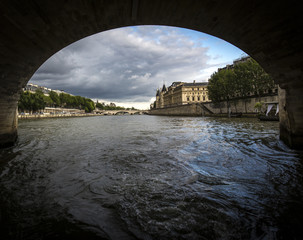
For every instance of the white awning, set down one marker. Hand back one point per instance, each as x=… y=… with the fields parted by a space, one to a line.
x=269 y=107
x=277 y=111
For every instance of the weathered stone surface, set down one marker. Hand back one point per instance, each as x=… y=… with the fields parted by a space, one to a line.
x=8 y=120
x=291 y=117
x=270 y=32
x=182 y=110
x=246 y=105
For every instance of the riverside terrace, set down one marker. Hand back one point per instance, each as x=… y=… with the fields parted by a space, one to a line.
x=65 y=112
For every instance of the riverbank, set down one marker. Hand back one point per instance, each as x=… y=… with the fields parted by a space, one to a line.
x=67 y=114
x=238 y=115
x=238 y=106
x=197 y=110
x=39 y=116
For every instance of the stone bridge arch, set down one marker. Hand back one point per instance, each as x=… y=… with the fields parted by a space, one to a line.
x=269 y=31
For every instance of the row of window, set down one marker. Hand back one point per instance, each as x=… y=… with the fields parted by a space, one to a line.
x=193 y=98
x=198 y=89
x=193 y=93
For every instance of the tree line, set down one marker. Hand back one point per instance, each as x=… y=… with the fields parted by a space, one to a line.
x=244 y=79
x=37 y=101
x=108 y=107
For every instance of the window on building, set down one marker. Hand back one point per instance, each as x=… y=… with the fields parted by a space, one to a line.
x=193 y=98
x=193 y=89
x=198 y=98
x=203 y=98
x=198 y=89
x=188 y=99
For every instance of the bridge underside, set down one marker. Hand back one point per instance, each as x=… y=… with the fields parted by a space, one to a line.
x=270 y=32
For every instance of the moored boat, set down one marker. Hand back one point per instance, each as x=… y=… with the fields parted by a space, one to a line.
x=236 y=115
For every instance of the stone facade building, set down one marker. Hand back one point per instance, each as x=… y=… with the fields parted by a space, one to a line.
x=181 y=93
x=34 y=87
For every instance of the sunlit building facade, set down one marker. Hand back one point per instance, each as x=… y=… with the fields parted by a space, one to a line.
x=180 y=93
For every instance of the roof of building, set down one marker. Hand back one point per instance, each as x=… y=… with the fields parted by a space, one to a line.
x=174 y=84
x=242 y=59
x=158 y=92
x=235 y=62
x=164 y=88
x=195 y=84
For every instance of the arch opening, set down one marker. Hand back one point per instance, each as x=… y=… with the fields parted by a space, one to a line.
x=27 y=40
x=127 y=65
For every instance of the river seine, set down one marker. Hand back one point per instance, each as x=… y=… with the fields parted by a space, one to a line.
x=150 y=177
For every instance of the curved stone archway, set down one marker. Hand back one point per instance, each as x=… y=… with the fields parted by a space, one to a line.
x=32 y=31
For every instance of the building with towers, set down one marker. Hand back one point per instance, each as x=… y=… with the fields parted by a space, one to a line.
x=181 y=93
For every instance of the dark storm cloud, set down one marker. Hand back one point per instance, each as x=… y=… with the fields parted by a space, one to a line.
x=58 y=66
x=126 y=64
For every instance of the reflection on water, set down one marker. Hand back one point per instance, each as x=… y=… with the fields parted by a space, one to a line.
x=148 y=177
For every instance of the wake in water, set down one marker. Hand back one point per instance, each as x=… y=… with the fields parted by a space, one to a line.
x=147 y=177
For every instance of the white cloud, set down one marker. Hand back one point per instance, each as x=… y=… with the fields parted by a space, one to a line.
x=127 y=64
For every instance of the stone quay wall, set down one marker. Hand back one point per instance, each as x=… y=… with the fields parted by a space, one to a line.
x=238 y=105
x=212 y=109
x=181 y=110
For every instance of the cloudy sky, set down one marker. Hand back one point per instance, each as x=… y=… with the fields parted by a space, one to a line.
x=127 y=65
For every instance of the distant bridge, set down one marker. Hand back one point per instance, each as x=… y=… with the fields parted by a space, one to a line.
x=122 y=112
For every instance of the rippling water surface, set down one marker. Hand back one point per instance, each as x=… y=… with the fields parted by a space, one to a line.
x=149 y=177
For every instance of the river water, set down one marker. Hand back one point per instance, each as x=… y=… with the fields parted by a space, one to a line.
x=150 y=177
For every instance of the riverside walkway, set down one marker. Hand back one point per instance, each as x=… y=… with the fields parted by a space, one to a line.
x=97 y=113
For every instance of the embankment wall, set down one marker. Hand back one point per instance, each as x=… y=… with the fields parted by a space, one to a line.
x=182 y=110
x=238 y=105
x=244 y=106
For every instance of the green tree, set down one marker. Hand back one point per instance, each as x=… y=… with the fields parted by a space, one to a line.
x=89 y=105
x=215 y=90
x=55 y=98
x=63 y=99
x=261 y=81
x=245 y=79
x=100 y=105
x=24 y=103
x=38 y=102
x=259 y=106
x=31 y=102
x=221 y=86
x=79 y=102
x=48 y=101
